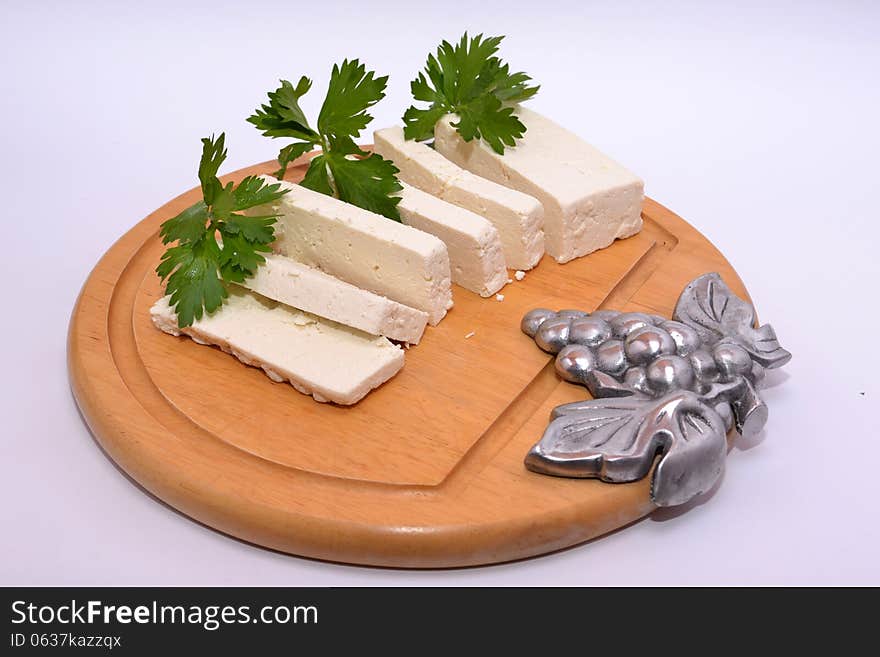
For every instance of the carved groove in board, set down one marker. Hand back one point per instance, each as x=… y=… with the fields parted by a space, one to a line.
x=631 y=281
x=540 y=388
x=520 y=411
x=123 y=347
x=502 y=429
x=295 y=454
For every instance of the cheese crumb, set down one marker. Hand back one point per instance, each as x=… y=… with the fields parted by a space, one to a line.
x=499 y=297
x=519 y=275
x=509 y=281
x=469 y=335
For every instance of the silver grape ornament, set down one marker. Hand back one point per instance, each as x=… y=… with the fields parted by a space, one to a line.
x=667 y=388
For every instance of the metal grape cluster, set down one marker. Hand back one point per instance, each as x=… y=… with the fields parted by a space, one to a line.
x=672 y=388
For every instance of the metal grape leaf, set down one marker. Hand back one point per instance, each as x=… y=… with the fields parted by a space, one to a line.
x=673 y=407
x=716 y=313
x=617 y=440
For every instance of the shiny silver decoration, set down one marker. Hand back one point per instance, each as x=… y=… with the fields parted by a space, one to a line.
x=660 y=387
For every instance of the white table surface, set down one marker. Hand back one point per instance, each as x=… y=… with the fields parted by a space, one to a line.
x=756 y=121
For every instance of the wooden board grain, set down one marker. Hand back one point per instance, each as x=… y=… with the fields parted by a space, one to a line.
x=426 y=471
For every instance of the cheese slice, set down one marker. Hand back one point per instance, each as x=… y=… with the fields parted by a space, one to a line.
x=363 y=248
x=475 y=255
x=518 y=217
x=588 y=198
x=320 y=358
x=297 y=285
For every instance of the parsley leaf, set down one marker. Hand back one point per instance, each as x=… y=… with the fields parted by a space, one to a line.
x=469 y=80
x=289 y=153
x=188 y=226
x=253 y=191
x=486 y=118
x=317 y=176
x=342 y=170
x=352 y=91
x=239 y=257
x=212 y=244
x=194 y=285
x=369 y=183
x=283 y=117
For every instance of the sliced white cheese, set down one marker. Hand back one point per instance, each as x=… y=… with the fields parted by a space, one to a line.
x=518 y=217
x=320 y=358
x=475 y=254
x=363 y=248
x=313 y=291
x=588 y=198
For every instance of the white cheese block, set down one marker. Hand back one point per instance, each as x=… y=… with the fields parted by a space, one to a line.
x=313 y=291
x=320 y=358
x=475 y=254
x=363 y=248
x=518 y=217
x=588 y=198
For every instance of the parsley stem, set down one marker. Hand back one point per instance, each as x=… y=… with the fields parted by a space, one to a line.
x=325 y=147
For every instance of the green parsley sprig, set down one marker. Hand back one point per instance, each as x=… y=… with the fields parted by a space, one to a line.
x=342 y=170
x=214 y=243
x=469 y=80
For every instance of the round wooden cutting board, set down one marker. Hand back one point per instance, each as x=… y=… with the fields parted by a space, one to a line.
x=426 y=471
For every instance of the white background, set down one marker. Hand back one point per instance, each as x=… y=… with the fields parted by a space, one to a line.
x=757 y=122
